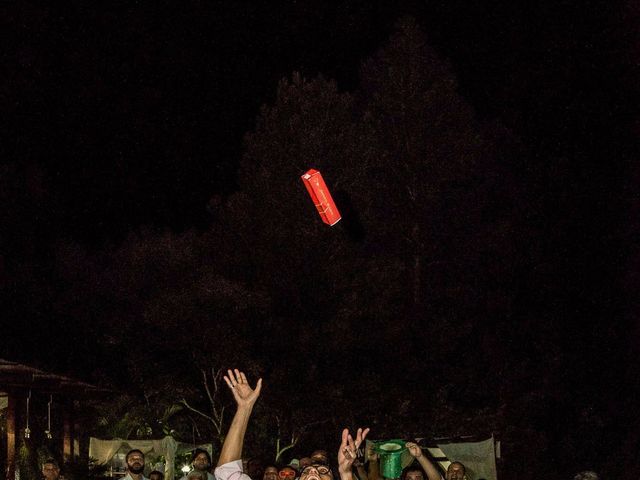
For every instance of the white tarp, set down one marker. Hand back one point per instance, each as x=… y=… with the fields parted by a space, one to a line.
x=479 y=458
x=104 y=450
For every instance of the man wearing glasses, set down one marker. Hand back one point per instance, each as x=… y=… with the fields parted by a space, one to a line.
x=230 y=463
x=287 y=473
x=317 y=472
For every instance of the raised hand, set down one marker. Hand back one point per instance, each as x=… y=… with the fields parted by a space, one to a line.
x=414 y=449
x=245 y=398
x=243 y=393
x=429 y=468
x=348 y=450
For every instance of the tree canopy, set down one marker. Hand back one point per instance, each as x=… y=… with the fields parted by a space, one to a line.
x=422 y=312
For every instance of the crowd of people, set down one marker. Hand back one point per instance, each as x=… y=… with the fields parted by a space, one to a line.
x=317 y=466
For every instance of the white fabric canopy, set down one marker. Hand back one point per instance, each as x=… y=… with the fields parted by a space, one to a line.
x=104 y=450
x=479 y=458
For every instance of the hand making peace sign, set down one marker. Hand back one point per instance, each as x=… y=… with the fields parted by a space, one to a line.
x=349 y=450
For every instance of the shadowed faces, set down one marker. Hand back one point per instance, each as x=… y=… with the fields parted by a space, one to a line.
x=455 y=471
x=201 y=462
x=50 y=471
x=270 y=473
x=320 y=457
x=414 y=475
x=197 y=475
x=287 y=473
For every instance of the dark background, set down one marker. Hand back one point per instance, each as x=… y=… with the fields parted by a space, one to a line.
x=143 y=230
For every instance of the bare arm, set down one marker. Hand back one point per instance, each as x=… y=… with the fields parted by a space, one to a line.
x=429 y=468
x=362 y=473
x=374 y=467
x=245 y=398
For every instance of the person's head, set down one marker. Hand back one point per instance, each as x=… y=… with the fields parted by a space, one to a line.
x=201 y=460
x=320 y=456
x=304 y=462
x=254 y=468
x=587 y=475
x=50 y=469
x=287 y=473
x=156 y=475
x=270 y=473
x=135 y=461
x=197 y=475
x=316 y=471
x=455 y=471
x=413 y=472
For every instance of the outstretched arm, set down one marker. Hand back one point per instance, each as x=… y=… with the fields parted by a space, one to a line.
x=429 y=468
x=374 y=468
x=347 y=452
x=245 y=397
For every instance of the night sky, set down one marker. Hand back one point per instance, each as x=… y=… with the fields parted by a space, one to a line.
x=150 y=199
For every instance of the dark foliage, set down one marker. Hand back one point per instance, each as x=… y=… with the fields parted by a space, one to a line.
x=478 y=283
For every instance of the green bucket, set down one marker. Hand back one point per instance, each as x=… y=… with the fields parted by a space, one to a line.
x=390 y=453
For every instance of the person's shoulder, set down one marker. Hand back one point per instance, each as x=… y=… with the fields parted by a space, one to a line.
x=232 y=466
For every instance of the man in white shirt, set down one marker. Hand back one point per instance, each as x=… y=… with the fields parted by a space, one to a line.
x=135 y=465
x=230 y=461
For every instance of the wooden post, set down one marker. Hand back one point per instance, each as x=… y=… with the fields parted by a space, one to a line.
x=66 y=429
x=76 y=440
x=11 y=437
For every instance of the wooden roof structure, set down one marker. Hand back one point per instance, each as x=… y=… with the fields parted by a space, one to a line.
x=15 y=376
x=17 y=382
